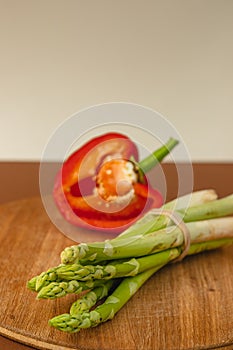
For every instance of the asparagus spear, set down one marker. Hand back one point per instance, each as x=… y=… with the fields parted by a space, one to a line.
x=148 y=223
x=106 y=311
x=210 y=239
x=127 y=288
x=87 y=301
x=128 y=268
x=151 y=243
x=73 y=272
x=214 y=209
x=31 y=284
x=60 y=289
x=115 y=269
x=52 y=277
x=141 y=226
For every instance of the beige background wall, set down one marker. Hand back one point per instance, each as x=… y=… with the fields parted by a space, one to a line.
x=59 y=56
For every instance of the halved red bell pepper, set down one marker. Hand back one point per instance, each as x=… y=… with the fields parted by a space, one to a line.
x=76 y=189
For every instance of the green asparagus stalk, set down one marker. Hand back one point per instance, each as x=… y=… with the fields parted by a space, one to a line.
x=205 y=235
x=213 y=209
x=128 y=287
x=87 y=301
x=45 y=278
x=32 y=284
x=59 y=289
x=151 y=243
x=132 y=267
x=193 y=199
x=69 y=272
x=115 y=269
x=148 y=223
x=106 y=311
x=94 y=276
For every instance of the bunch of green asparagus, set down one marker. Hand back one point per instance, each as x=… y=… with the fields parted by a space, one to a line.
x=110 y=273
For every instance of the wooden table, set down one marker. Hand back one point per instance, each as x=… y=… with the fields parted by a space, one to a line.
x=20 y=180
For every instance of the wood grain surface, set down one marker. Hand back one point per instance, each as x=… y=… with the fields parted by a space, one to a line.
x=187 y=305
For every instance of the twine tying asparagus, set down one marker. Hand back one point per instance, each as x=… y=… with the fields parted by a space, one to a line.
x=177 y=219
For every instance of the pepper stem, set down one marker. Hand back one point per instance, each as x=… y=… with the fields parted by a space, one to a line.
x=157 y=156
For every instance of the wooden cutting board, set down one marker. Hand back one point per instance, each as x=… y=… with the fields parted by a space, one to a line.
x=187 y=305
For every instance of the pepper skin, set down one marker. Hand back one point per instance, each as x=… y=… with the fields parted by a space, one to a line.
x=76 y=194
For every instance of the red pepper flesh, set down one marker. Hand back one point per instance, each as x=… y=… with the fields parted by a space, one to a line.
x=75 y=187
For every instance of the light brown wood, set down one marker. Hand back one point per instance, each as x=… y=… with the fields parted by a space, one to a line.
x=187 y=305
